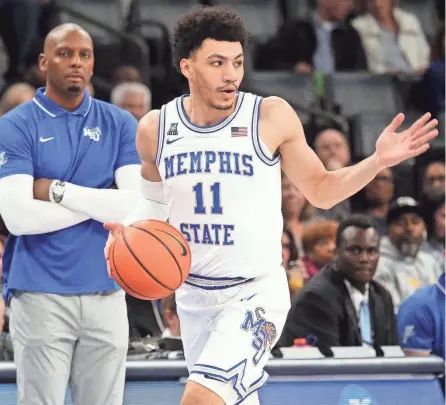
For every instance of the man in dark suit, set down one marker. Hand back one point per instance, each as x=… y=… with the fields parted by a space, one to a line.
x=342 y=305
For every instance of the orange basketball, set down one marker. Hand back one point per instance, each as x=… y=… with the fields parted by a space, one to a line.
x=151 y=259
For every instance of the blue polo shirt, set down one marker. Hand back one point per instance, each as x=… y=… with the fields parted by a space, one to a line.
x=421 y=319
x=83 y=147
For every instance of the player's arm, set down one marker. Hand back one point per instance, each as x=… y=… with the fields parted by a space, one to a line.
x=22 y=214
x=323 y=188
x=153 y=204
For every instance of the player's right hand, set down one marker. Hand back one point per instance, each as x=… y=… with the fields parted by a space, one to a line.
x=115 y=229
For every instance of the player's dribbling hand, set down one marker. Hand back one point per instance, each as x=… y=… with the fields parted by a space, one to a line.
x=115 y=229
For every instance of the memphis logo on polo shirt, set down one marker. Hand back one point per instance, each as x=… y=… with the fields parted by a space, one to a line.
x=93 y=133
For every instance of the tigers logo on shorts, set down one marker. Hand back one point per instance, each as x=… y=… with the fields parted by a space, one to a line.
x=264 y=333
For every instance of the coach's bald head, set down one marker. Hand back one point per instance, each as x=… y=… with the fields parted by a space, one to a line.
x=60 y=33
x=67 y=59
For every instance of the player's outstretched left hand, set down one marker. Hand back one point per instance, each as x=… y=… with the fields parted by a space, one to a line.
x=115 y=229
x=393 y=148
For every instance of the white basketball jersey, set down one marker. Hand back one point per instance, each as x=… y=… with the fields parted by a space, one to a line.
x=224 y=189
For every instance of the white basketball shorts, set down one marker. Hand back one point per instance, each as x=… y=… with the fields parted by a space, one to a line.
x=228 y=327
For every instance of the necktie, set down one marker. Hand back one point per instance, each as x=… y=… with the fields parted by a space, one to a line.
x=364 y=323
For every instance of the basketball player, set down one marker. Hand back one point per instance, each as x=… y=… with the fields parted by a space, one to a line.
x=211 y=163
x=68 y=319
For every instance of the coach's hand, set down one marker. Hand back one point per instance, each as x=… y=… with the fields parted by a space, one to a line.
x=115 y=229
x=41 y=189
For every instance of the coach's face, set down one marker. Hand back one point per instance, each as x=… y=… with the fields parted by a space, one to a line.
x=357 y=254
x=215 y=71
x=68 y=61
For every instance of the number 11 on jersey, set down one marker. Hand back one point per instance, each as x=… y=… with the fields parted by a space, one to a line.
x=200 y=208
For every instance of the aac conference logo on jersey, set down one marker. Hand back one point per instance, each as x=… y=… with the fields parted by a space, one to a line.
x=172 y=133
x=93 y=133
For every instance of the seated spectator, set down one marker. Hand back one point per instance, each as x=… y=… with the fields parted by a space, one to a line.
x=393 y=38
x=296 y=210
x=35 y=77
x=403 y=267
x=318 y=242
x=19 y=26
x=135 y=98
x=325 y=43
x=377 y=196
x=125 y=74
x=435 y=244
x=342 y=305
x=294 y=267
x=332 y=148
x=433 y=182
x=15 y=95
x=289 y=249
x=421 y=321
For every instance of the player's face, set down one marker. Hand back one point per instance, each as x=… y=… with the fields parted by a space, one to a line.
x=216 y=71
x=357 y=256
x=68 y=62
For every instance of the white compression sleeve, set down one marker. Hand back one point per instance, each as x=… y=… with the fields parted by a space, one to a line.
x=127 y=177
x=106 y=205
x=153 y=205
x=23 y=215
x=102 y=205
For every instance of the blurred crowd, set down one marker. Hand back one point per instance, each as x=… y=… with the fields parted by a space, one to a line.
x=388 y=241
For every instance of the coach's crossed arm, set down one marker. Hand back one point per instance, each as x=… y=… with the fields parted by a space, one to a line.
x=23 y=215
x=103 y=205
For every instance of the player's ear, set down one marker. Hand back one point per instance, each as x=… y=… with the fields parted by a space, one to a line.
x=185 y=67
x=42 y=62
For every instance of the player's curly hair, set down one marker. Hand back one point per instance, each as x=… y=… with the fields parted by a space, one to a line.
x=207 y=22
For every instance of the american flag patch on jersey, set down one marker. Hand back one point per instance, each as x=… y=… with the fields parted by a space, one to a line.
x=239 y=131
